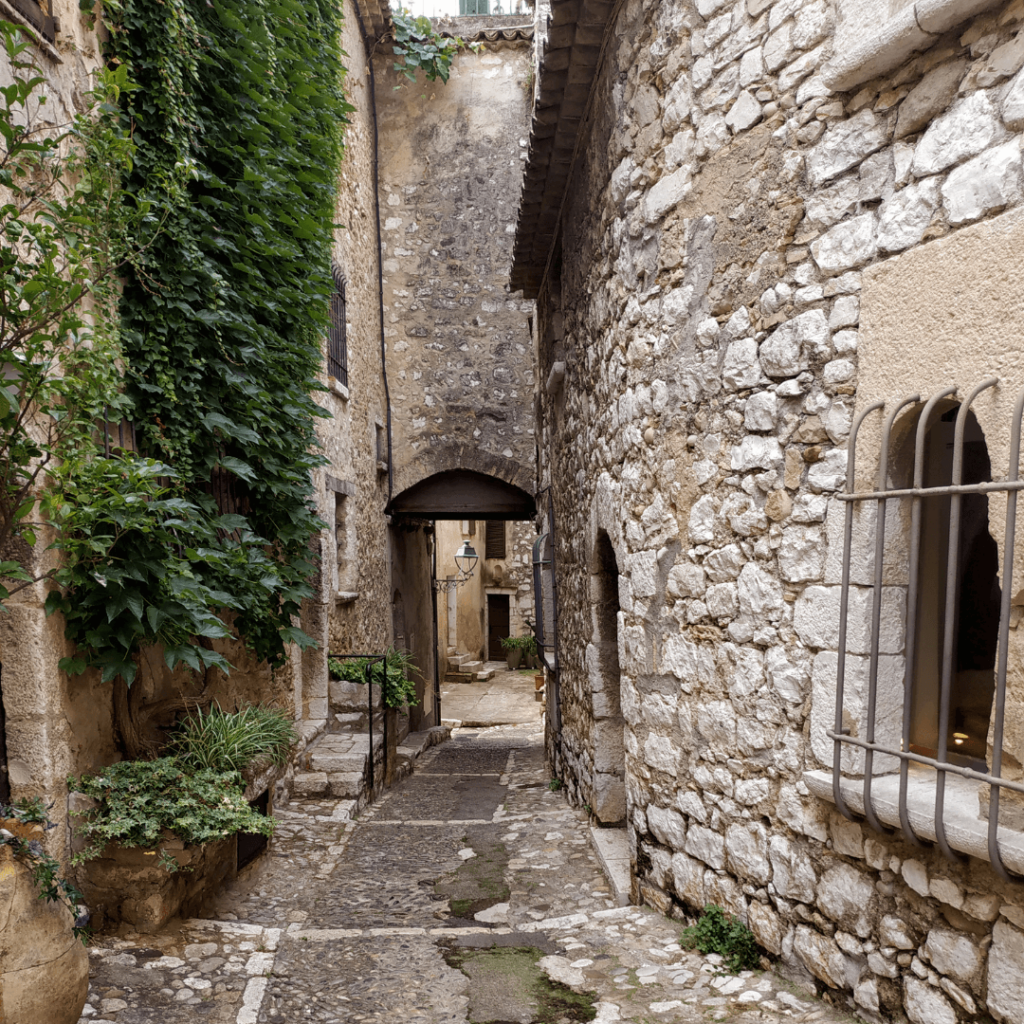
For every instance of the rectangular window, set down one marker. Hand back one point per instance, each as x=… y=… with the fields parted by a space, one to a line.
x=337 y=341
x=495 y=543
x=37 y=14
x=942 y=756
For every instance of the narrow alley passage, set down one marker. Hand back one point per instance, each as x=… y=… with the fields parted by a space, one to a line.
x=470 y=893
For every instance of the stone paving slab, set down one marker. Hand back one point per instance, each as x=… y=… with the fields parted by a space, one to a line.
x=507 y=698
x=409 y=915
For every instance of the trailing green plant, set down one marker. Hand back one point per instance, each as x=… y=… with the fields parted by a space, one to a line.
x=139 y=802
x=716 y=932
x=247 y=740
x=64 y=222
x=420 y=48
x=236 y=118
x=526 y=644
x=46 y=870
x=398 y=690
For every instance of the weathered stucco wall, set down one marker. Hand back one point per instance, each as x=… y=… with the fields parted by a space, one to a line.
x=747 y=259
x=460 y=361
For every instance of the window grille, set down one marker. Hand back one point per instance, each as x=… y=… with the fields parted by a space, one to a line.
x=37 y=14
x=495 y=544
x=118 y=434
x=337 y=341
x=544 y=596
x=945 y=761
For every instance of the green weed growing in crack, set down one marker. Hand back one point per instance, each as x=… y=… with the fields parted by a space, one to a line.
x=555 y=785
x=716 y=932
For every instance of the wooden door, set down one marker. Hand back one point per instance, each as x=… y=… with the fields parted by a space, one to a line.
x=498 y=621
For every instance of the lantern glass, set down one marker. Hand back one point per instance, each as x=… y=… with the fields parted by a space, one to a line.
x=466 y=559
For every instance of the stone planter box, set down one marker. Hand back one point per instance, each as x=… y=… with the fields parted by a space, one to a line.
x=44 y=969
x=130 y=886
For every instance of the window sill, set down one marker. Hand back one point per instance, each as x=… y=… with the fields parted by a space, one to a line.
x=339 y=389
x=346 y=596
x=966 y=830
x=11 y=13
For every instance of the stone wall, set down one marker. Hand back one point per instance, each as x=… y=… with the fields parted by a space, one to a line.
x=748 y=258
x=460 y=360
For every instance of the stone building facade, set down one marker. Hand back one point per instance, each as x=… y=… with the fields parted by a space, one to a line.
x=745 y=222
x=460 y=358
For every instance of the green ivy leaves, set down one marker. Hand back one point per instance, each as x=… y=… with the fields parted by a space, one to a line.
x=237 y=120
x=420 y=48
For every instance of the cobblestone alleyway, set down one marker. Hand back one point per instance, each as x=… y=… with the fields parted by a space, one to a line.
x=469 y=893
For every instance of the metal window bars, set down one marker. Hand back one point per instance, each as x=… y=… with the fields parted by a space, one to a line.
x=1011 y=485
x=337 y=340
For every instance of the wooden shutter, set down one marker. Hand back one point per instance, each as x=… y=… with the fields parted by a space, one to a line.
x=37 y=15
x=495 y=546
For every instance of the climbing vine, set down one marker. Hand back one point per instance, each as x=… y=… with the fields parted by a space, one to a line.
x=221 y=320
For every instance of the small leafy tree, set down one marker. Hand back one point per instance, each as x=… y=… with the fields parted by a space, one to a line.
x=420 y=48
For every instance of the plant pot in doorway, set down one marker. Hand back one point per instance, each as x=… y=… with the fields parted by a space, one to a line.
x=513 y=657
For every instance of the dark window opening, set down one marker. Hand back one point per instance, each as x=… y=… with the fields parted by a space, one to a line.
x=337 y=341
x=495 y=541
x=37 y=14
x=976 y=624
x=607 y=596
x=252 y=844
x=609 y=797
x=499 y=621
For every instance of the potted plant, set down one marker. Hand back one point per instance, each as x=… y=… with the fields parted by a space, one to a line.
x=513 y=651
x=529 y=651
x=159 y=835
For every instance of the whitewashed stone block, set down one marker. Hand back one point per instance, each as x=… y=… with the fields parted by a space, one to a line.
x=893 y=931
x=724 y=564
x=761 y=412
x=642 y=569
x=686 y=580
x=741 y=368
x=822 y=957
x=690 y=662
x=845 y=312
x=751 y=66
x=769 y=929
x=968 y=127
x=903 y=219
x=1013 y=103
x=661 y=754
x=755 y=452
x=829 y=474
x=790 y=348
x=929 y=97
x=746 y=850
x=689 y=879
x=667 y=194
x=955 y=954
x=789 y=672
x=744 y=113
x=844 y=146
x=802 y=553
x=987 y=182
x=743 y=669
x=1005 y=977
x=778 y=48
x=712 y=134
x=847 y=245
x=792 y=871
x=678 y=103
x=716 y=722
x=925 y=1004
x=702 y=520
x=847 y=896
x=888 y=709
x=816 y=619
x=706 y=846
x=751 y=792
x=667 y=826
x=722 y=601
x=760 y=595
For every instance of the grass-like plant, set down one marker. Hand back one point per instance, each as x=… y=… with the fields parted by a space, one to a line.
x=716 y=932
x=247 y=740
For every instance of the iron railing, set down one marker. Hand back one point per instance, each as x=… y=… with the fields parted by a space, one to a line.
x=917 y=494
x=337 y=340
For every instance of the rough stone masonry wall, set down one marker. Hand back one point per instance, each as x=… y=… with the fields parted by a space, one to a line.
x=460 y=358
x=720 y=226
x=350 y=438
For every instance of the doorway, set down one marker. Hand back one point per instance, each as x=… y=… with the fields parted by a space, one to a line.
x=499 y=622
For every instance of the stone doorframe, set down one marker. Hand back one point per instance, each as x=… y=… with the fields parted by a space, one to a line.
x=606 y=547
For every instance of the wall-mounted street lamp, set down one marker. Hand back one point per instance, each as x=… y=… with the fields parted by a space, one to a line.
x=465 y=561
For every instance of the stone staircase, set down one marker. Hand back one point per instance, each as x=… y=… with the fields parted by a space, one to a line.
x=337 y=762
x=464 y=668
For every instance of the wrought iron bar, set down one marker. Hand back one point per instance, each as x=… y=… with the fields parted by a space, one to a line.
x=876 y=610
x=844 y=601
x=1009 y=538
